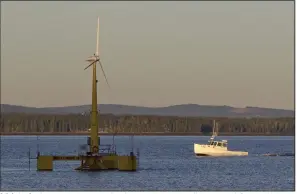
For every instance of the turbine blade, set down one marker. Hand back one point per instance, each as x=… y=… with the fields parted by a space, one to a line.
x=97 y=43
x=103 y=73
x=89 y=65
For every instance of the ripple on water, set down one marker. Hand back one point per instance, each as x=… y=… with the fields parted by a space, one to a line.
x=166 y=163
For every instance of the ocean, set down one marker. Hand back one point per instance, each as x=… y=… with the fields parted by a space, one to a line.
x=165 y=163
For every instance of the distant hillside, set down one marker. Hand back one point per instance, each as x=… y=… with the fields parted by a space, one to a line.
x=176 y=110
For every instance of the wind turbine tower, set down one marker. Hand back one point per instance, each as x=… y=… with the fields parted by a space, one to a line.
x=94 y=140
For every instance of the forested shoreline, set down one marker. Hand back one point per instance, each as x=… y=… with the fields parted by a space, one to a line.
x=108 y=123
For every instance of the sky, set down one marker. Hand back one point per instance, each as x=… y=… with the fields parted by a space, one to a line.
x=154 y=53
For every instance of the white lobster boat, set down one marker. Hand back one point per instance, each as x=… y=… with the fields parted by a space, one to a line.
x=216 y=148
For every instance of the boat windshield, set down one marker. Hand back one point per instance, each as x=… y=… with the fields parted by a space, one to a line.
x=223 y=144
x=217 y=143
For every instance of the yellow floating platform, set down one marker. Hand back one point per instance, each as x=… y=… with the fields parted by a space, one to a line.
x=91 y=162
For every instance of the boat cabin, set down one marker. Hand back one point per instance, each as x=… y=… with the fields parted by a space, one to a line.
x=222 y=143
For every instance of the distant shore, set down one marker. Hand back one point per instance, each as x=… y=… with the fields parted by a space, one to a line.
x=74 y=124
x=135 y=134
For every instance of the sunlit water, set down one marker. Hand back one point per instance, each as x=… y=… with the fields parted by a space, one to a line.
x=166 y=163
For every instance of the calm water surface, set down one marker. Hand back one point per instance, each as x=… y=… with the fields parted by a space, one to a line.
x=166 y=163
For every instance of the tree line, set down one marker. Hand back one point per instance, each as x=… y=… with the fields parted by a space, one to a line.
x=16 y=122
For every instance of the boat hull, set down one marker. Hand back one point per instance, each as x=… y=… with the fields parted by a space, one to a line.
x=207 y=150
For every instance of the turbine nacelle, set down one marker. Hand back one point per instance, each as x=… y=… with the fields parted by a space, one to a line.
x=92 y=59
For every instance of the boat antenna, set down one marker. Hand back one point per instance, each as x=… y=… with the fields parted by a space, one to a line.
x=213 y=126
x=213 y=131
x=217 y=129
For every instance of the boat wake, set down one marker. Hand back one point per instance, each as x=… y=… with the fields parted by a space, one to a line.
x=280 y=154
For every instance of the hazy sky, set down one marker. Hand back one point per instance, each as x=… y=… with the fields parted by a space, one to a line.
x=154 y=53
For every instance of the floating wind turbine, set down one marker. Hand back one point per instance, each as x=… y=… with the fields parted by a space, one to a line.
x=94 y=139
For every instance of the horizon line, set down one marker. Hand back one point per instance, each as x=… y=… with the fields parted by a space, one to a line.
x=150 y=106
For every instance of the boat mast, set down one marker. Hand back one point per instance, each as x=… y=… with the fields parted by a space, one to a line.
x=215 y=128
x=213 y=131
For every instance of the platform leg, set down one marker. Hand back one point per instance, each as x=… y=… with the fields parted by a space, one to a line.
x=45 y=163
